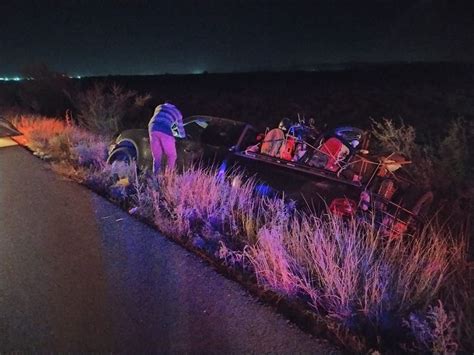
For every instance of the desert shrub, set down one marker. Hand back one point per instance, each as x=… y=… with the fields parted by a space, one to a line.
x=145 y=196
x=399 y=139
x=434 y=331
x=454 y=153
x=444 y=166
x=43 y=135
x=113 y=180
x=392 y=138
x=59 y=140
x=87 y=149
x=66 y=169
x=102 y=108
x=364 y=285
x=272 y=263
x=201 y=201
x=455 y=159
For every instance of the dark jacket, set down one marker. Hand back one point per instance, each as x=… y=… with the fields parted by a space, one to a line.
x=167 y=119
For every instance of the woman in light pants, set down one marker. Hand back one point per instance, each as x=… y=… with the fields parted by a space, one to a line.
x=164 y=126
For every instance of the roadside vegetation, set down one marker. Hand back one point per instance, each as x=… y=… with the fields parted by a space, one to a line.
x=368 y=292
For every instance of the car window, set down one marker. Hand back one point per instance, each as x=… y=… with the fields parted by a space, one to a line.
x=250 y=138
x=221 y=134
x=193 y=130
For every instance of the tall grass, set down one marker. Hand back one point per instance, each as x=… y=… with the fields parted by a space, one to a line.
x=364 y=284
x=60 y=140
x=200 y=201
x=372 y=292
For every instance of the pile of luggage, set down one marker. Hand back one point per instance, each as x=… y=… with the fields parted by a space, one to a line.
x=304 y=143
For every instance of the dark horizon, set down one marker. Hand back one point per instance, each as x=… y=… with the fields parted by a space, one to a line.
x=141 y=37
x=431 y=66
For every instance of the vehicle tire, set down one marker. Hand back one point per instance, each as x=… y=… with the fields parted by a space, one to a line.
x=124 y=154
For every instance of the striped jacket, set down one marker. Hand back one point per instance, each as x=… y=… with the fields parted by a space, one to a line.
x=167 y=119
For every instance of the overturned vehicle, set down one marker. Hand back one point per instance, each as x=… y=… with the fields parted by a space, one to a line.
x=332 y=169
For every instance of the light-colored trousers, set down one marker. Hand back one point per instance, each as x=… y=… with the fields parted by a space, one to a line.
x=163 y=149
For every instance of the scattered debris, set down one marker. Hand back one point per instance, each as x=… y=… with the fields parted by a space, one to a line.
x=123 y=182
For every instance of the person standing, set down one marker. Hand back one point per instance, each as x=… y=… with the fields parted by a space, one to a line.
x=164 y=126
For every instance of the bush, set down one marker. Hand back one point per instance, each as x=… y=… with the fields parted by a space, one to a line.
x=45 y=136
x=199 y=201
x=87 y=150
x=102 y=108
x=62 y=141
x=434 y=331
x=445 y=166
x=455 y=155
x=392 y=138
x=398 y=139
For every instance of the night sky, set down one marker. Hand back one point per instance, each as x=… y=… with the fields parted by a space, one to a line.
x=145 y=37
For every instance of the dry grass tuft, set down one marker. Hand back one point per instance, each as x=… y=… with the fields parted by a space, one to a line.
x=56 y=139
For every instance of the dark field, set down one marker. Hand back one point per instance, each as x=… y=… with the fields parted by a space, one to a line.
x=426 y=96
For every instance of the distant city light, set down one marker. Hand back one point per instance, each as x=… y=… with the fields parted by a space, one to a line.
x=198 y=71
x=15 y=78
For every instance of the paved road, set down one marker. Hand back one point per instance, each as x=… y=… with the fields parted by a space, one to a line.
x=78 y=274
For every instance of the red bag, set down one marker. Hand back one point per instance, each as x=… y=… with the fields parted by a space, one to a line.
x=288 y=148
x=335 y=150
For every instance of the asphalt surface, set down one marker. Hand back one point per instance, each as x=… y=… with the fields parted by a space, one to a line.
x=79 y=274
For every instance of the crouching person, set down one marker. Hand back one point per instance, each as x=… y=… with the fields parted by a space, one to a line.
x=164 y=126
